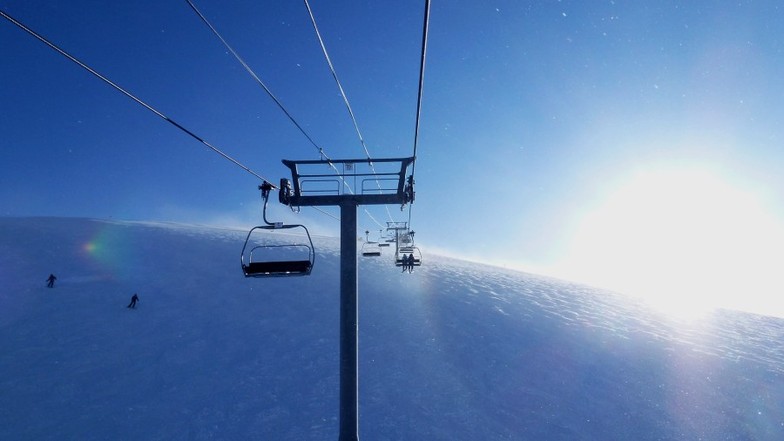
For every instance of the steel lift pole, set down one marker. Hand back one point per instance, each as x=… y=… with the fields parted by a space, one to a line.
x=349 y=324
x=321 y=192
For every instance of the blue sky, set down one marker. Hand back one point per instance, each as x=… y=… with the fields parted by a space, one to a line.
x=538 y=118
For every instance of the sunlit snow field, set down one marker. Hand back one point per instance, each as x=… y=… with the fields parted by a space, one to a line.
x=454 y=351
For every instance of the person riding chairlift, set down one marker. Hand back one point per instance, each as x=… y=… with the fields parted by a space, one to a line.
x=408 y=262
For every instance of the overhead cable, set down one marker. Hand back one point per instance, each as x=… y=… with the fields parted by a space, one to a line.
x=258 y=80
x=425 y=27
x=250 y=71
x=128 y=94
x=345 y=100
x=326 y=213
x=335 y=76
x=421 y=81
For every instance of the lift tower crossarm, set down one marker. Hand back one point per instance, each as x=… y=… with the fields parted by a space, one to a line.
x=388 y=170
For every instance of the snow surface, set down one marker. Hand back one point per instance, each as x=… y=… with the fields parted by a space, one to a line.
x=454 y=351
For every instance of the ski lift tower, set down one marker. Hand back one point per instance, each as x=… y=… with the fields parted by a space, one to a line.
x=348 y=184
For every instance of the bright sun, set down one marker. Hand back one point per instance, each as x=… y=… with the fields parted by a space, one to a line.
x=686 y=241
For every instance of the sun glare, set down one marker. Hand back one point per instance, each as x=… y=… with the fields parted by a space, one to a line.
x=685 y=241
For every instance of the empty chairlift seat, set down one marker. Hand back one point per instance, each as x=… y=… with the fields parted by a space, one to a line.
x=261 y=259
x=371 y=249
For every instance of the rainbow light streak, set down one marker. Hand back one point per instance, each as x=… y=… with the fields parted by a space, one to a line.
x=110 y=249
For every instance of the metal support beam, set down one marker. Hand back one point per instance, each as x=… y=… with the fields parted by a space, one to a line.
x=291 y=193
x=349 y=324
x=313 y=171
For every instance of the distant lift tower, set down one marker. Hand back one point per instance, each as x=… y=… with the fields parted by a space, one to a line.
x=348 y=183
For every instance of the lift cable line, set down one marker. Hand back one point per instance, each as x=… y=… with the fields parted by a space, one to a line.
x=261 y=83
x=328 y=213
x=345 y=100
x=335 y=76
x=150 y=108
x=371 y=217
x=250 y=71
x=425 y=27
x=128 y=94
x=421 y=82
x=322 y=153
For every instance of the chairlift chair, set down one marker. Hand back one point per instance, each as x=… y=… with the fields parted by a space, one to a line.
x=276 y=260
x=382 y=240
x=371 y=249
x=404 y=251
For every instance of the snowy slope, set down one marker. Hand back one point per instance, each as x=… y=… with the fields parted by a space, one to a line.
x=455 y=351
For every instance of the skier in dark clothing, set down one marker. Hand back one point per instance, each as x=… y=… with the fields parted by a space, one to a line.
x=50 y=281
x=134 y=299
